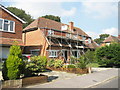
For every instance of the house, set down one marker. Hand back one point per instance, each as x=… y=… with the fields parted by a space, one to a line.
x=53 y=39
x=110 y=39
x=10 y=31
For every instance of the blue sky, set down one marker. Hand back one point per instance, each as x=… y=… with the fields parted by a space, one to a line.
x=94 y=18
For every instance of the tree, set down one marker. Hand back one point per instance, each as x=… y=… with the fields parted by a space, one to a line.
x=55 y=18
x=101 y=38
x=21 y=14
x=14 y=63
x=108 y=55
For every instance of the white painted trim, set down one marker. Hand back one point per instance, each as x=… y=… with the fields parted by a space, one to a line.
x=12 y=14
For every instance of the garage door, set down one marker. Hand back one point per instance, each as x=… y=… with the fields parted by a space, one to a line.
x=4 y=51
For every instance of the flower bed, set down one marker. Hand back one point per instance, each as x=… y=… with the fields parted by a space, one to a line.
x=70 y=70
x=24 y=81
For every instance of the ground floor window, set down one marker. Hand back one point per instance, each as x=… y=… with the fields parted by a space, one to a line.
x=53 y=53
x=76 y=53
x=35 y=52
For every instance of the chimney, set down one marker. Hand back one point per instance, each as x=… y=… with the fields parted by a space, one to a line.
x=119 y=36
x=71 y=25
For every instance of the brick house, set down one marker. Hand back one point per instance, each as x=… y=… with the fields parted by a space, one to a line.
x=110 y=39
x=55 y=40
x=10 y=30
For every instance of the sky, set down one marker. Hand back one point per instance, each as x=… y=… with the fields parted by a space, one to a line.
x=95 y=17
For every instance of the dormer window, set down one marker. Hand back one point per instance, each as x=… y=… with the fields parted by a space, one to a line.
x=7 y=25
x=64 y=27
x=50 y=32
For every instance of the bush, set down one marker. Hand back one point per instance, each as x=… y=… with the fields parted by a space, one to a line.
x=71 y=66
x=50 y=63
x=73 y=60
x=108 y=55
x=36 y=64
x=82 y=62
x=58 y=63
x=14 y=64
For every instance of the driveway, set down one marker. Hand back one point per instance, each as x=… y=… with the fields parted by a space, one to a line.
x=65 y=80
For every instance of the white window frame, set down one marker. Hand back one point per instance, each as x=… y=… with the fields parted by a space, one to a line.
x=8 y=26
x=53 y=53
x=50 y=32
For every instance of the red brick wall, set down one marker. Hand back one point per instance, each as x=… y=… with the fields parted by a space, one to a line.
x=18 y=26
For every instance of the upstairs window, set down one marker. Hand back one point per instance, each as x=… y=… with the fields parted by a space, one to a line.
x=7 y=25
x=50 y=32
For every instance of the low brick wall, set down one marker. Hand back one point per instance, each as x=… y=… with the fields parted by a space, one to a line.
x=71 y=70
x=24 y=82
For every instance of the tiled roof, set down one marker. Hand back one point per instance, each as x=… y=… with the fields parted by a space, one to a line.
x=112 y=39
x=93 y=45
x=47 y=23
x=10 y=41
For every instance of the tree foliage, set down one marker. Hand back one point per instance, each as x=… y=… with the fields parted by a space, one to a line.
x=101 y=38
x=22 y=15
x=52 y=17
x=108 y=55
x=14 y=64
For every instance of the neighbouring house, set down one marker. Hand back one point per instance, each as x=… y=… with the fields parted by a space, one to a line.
x=53 y=39
x=10 y=31
x=110 y=39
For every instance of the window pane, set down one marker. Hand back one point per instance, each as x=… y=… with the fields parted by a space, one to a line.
x=6 y=24
x=11 y=25
x=1 y=22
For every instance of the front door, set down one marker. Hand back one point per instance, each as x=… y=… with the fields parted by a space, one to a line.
x=65 y=61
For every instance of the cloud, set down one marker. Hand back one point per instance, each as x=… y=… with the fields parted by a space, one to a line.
x=100 y=9
x=111 y=31
x=37 y=9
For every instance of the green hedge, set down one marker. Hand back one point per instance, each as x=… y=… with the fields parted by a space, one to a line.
x=108 y=55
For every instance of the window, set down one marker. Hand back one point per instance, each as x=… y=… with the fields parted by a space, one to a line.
x=75 y=36
x=50 y=32
x=1 y=24
x=83 y=37
x=35 y=52
x=6 y=25
x=53 y=53
x=68 y=35
x=65 y=27
x=89 y=40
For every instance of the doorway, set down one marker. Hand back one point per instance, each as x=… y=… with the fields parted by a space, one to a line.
x=66 y=56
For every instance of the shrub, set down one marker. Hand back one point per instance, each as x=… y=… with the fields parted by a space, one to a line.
x=13 y=64
x=108 y=55
x=36 y=64
x=58 y=63
x=82 y=62
x=73 y=60
x=71 y=66
x=50 y=63
x=65 y=66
